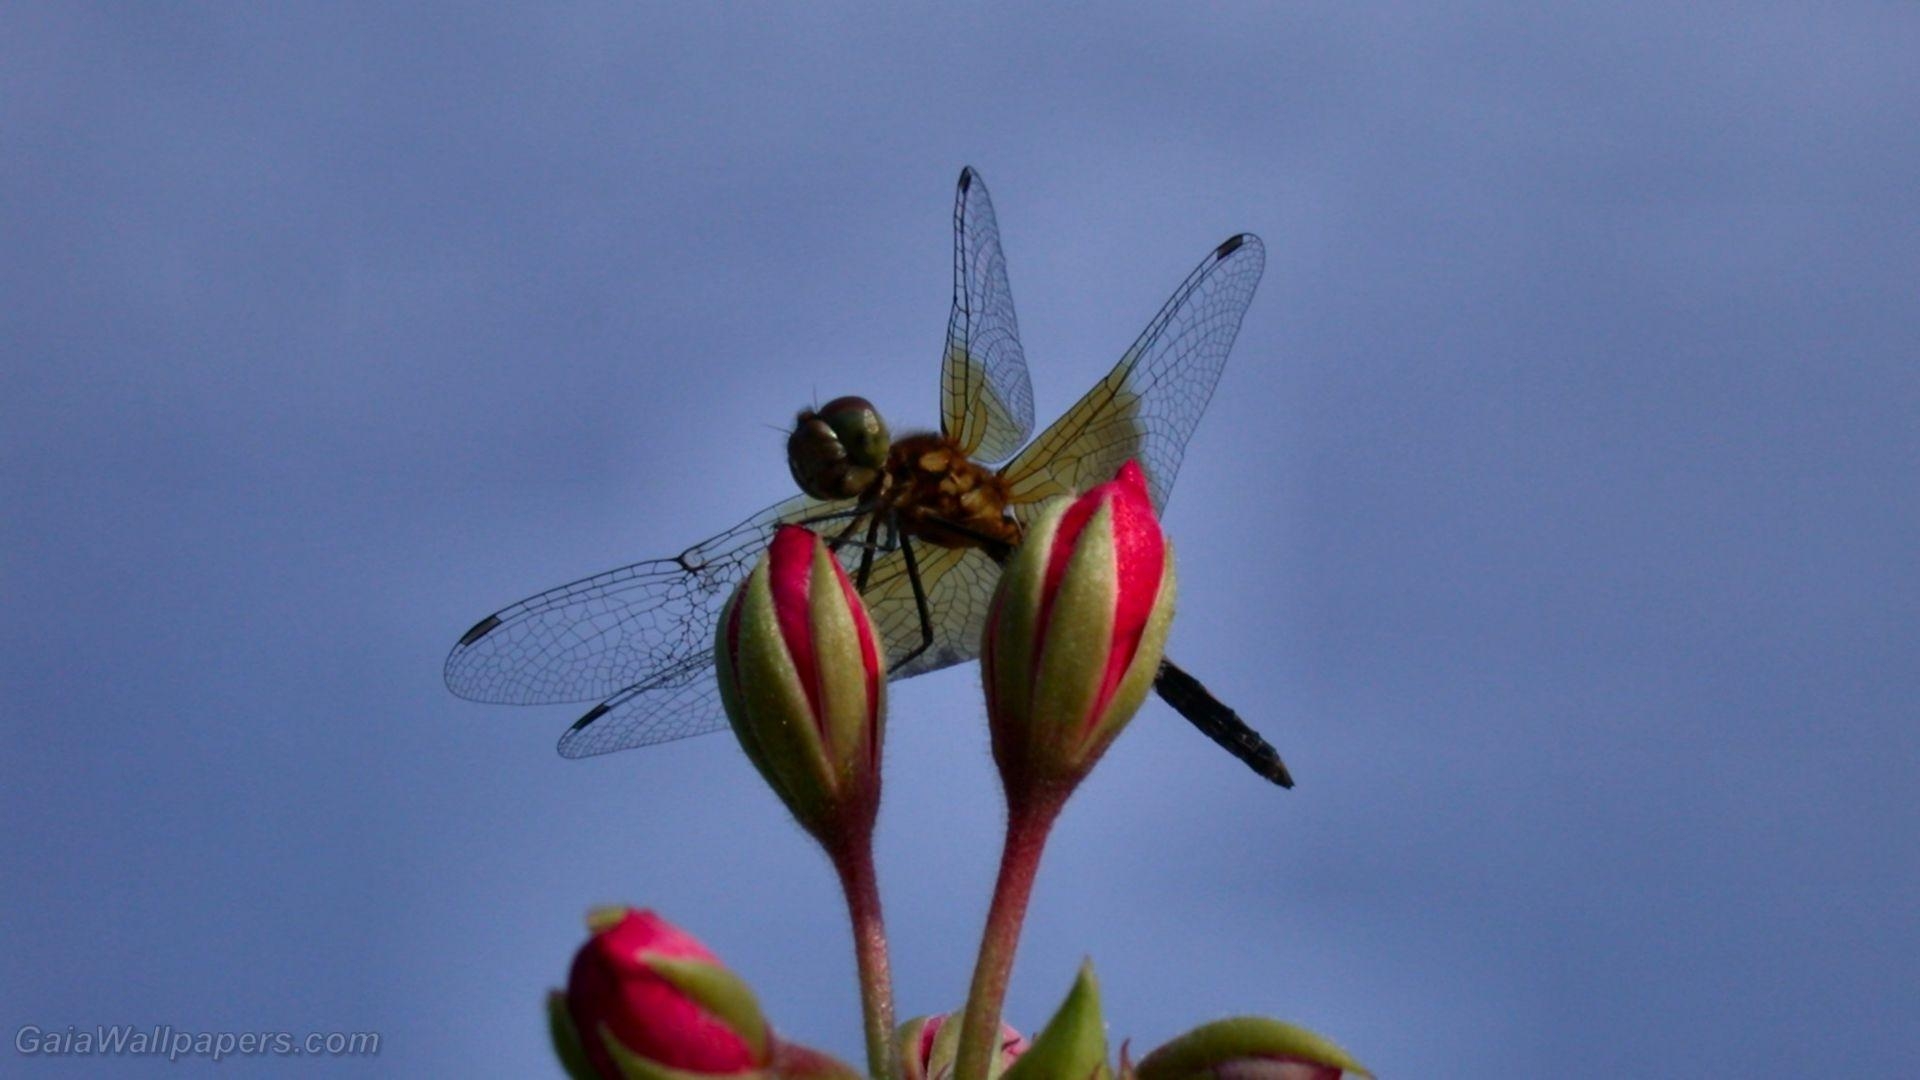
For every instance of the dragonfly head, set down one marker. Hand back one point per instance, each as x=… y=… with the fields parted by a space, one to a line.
x=838 y=452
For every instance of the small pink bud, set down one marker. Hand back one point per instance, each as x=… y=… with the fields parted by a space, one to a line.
x=1075 y=632
x=928 y=1045
x=804 y=683
x=643 y=991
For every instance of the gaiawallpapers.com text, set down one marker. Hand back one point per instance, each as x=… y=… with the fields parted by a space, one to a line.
x=166 y=1041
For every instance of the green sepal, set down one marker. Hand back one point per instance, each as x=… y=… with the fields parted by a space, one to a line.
x=946 y=1048
x=1075 y=646
x=1074 y=1043
x=1008 y=671
x=566 y=1038
x=767 y=705
x=1195 y=1054
x=906 y=1048
x=721 y=993
x=606 y=917
x=848 y=743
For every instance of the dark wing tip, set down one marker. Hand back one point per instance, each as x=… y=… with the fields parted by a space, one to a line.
x=1231 y=244
x=480 y=629
x=593 y=714
x=966 y=177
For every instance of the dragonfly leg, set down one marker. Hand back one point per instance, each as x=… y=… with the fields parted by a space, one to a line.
x=866 y=554
x=919 y=600
x=1218 y=722
x=839 y=538
x=845 y=536
x=867 y=547
x=834 y=515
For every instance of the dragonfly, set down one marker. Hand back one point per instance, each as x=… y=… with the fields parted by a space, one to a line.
x=939 y=512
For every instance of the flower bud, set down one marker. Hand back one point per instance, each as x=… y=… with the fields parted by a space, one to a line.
x=1075 y=632
x=1249 y=1048
x=926 y=1047
x=804 y=682
x=645 y=999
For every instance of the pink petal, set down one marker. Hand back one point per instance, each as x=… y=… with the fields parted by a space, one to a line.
x=790 y=574
x=1140 y=549
x=1071 y=525
x=611 y=986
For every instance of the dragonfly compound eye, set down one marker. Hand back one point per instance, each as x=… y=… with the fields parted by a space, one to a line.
x=837 y=452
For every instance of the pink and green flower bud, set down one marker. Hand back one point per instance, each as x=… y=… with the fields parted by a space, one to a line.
x=1249 y=1048
x=646 y=1000
x=804 y=683
x=1075 y=633
x=1074 y=1043
x=927 y=1046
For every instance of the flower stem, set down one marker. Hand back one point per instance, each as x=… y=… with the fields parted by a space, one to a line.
x=854 y=864
x=1028 y=823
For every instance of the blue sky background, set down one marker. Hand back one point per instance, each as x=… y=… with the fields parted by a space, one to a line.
x=1556 y=515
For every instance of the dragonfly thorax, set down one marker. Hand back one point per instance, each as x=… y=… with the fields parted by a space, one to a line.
x=925 y=484
x=940 y=496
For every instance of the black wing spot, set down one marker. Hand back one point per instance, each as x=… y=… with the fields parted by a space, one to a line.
x=966 y=178
x=1230 y=245
x=593 y=714
x=480 y=629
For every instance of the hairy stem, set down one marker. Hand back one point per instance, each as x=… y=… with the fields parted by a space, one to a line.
x=855 y=867
x=1028 y=823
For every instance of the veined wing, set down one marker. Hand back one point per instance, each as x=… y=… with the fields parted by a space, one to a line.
x=959 y=584
x=1146 y=408
x=684 y=700
x=677 y=704
x=649 y=624
x=1148 y=405
x=986 y=398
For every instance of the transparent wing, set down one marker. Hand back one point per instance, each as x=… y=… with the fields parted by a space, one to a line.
x=986 y=398
x=684 y=700
x=959 y=584
x=646 y=625
x=677 y=704
x=1148 y=405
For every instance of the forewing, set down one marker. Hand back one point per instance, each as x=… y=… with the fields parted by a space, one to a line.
x=1148 y=405
x=959 y=584
x=986 y=398
x=642 y=626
